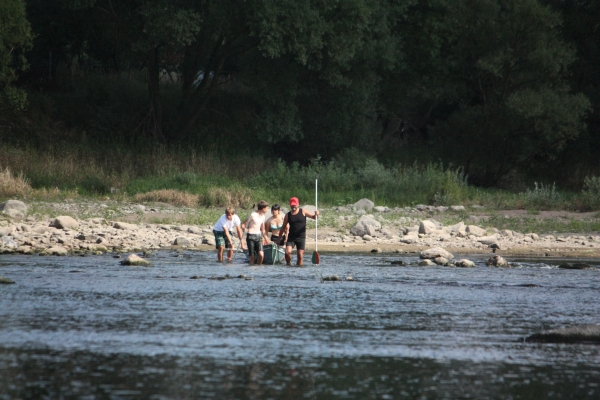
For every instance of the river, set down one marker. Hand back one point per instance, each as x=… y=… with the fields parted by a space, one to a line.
x=89 y=328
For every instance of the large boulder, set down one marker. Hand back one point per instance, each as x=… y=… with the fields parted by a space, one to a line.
x=436 y=252
x=489 y=240
x=65 y=222
x=475 y=230
x=14 y=208
x=426 y=227
x=574 y=334
x=8 y=243
x=366 y=225
x=364 y=204
x=181 y=241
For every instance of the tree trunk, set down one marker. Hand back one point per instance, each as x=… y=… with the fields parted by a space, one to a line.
x=154 y=92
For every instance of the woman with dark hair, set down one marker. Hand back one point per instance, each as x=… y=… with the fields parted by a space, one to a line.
x=275 y=223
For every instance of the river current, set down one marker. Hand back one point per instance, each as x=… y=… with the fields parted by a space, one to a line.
x=89 y=328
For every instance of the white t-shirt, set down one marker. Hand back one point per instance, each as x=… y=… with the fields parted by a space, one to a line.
x=254 y=222
x=223 y=223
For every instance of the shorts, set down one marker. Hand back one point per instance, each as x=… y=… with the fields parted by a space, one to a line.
x=299 y=242
x=221 y=240
x=254 y=242
x=278 y=241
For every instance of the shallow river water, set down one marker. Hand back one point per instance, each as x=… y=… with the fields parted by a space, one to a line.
x=89 y=328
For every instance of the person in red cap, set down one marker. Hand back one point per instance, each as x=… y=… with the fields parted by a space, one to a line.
x=296 y=219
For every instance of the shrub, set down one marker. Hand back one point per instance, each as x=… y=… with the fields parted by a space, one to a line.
x=545 y=197
x=591 y=193
x=11 y=186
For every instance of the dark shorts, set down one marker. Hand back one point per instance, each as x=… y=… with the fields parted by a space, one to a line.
x=275 y=239
x=299 y=242
x=254 y=242
x=221 y=240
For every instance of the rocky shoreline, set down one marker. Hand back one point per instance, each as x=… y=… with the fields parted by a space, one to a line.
x=87 y=228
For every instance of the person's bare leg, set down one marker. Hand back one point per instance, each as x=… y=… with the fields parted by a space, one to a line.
x=252 y=259
x=261 y=257
x=220 y=253
x=288 y=255
x=300 y=257
x=230 y=255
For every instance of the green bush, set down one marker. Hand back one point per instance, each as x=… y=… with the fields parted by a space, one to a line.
x=543 y=197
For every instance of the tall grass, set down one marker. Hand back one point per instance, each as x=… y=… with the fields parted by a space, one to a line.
x=342 y=184
x=183 y=176
x=13 y=186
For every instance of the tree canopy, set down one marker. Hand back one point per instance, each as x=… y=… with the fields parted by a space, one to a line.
x=490 y=85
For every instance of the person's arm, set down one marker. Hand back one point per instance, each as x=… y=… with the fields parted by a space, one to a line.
x=283 y=227
x=227 y=235
x=311 y=215
x=264 y=233
x=240 y=235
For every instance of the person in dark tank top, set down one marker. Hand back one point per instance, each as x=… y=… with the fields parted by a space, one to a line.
x=295 y=221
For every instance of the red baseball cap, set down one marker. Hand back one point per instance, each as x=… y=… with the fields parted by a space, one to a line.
x=294 y=201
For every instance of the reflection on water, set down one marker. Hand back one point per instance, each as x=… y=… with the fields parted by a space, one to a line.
x=87 y=327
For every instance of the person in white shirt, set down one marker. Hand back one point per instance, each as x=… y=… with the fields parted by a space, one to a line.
x=257 y=234
x=222 y=231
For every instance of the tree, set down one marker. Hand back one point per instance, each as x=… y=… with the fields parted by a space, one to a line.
x=494 y=90
x=15 y=40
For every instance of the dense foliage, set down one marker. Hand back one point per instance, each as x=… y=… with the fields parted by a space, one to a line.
x=506 y=90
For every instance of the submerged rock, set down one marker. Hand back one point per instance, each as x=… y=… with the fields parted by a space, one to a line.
x=464 y=263
x=332 y=278
x=435 y=253
x=134 y=259
x=576 y=266
x=497 y=261
x=6 y=281
x=575 y=334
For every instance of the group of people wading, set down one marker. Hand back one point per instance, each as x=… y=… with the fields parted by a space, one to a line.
x=289 y=230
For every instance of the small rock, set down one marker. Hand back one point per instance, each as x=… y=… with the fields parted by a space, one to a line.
x=377 y=250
